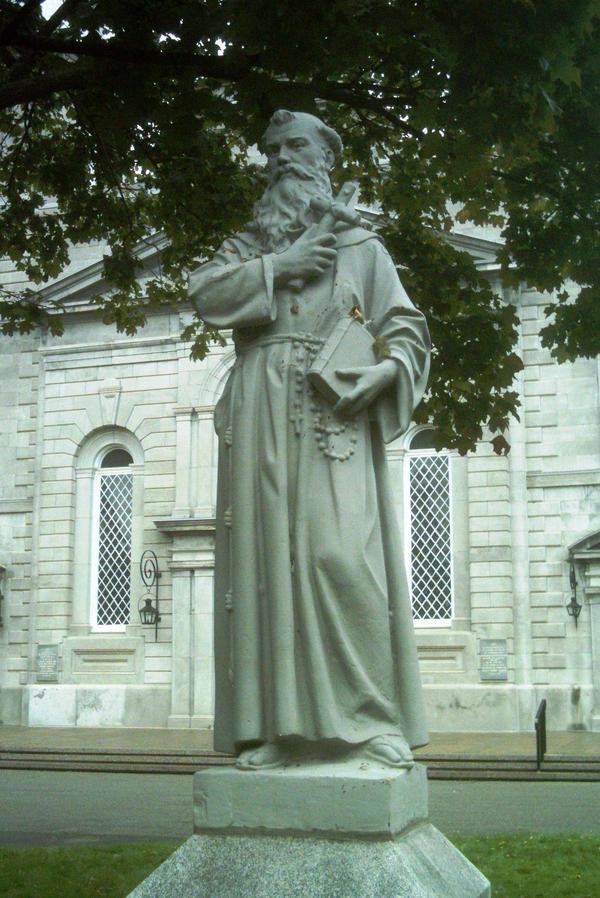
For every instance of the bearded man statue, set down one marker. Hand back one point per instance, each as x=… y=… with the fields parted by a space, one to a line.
x=314 y=645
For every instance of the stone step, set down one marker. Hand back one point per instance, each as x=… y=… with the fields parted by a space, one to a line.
x=550 y=758
x=446 y=768
x=464 y=774
x=108 y=756
x=116 y=762
x=90 y=766
x=133 y=753
x=587 y=770
x=485 y=764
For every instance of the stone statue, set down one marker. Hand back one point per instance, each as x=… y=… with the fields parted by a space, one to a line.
x=314 y=642
x=316 y=664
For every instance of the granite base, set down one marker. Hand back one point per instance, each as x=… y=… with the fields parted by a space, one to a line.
x=421 y=863
x=314 y=830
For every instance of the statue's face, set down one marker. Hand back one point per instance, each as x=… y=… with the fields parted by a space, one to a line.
x=295 y=143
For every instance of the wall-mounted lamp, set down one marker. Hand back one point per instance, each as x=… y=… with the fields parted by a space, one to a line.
x=149 y=613
x=573 y=607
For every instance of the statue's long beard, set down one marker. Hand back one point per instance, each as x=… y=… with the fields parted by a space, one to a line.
x=284 y=209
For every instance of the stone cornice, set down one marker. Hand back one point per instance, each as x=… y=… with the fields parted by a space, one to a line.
x=70 y=348
x=69 y=289
x=589 y=477
x=15 y=506
x=587 y=548
x=186 y=525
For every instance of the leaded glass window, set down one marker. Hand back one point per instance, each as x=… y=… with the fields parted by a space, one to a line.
x=430 y=532
x=112 y=540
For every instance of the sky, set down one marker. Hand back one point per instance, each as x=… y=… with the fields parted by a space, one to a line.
x=50 y=6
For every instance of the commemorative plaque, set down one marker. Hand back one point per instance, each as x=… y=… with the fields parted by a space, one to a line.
x=47 y=664
x=493 y=659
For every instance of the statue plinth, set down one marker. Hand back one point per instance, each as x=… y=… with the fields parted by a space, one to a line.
x=316 y=798
x=352 y=830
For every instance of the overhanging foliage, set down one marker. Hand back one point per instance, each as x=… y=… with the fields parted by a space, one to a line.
x=136 y=117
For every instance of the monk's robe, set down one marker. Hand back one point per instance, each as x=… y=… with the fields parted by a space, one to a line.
x=313 y=628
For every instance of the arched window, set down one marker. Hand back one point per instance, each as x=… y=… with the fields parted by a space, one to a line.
x=109 y=530
x=112 y=521
x=429 y=531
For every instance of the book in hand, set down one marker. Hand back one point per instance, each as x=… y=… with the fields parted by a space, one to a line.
x=350 y=345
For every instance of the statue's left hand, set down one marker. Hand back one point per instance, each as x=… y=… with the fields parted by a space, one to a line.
x=368 y=384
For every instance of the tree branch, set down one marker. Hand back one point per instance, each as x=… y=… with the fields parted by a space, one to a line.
x=88 y=125
x=563 y=198
x=340 y=94
x=24 y=139
x=207 y=66
x=21 y=13
x=39 y=87
x=219 y=68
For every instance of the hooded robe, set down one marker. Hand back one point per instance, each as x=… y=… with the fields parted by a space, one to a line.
x=313 y=626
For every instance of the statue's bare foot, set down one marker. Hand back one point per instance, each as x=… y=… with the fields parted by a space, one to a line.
x=268 y=755
x=393 y=751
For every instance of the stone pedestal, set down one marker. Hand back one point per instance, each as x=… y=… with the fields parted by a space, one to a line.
x=355 y=830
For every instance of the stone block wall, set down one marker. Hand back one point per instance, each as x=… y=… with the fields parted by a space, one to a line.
x=518 y=516
x=19 y=365
x=524 y=511
x=562 y=422
x=490 y=544
x=56 y=394
x=143 y=370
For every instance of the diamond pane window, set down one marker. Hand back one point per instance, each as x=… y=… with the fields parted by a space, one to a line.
x=430 y=537
x=113 y=547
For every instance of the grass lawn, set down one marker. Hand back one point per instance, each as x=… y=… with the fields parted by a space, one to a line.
x=80 y=871
x=518 y=866
x=536 y=866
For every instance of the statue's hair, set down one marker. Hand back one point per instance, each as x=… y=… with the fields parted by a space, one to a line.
x=330 y=137
x=281 y=117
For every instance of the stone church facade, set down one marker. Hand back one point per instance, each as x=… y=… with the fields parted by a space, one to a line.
x=107 y=450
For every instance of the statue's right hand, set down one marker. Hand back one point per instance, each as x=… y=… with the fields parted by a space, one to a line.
x=308 y=257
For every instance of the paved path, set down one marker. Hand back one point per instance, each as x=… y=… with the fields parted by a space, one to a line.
x=483 y=745
x=449 y=756
x=46 y=808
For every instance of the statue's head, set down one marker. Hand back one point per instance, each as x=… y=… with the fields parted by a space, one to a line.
x=299 y=136
x=301 y=150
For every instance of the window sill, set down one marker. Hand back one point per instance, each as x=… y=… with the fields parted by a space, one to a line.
x=432 y=624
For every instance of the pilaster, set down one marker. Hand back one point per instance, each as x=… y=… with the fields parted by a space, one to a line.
x=587 y=554
x=80 y=611
x=185 y=462
x=204 y=463
x=191 y=565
